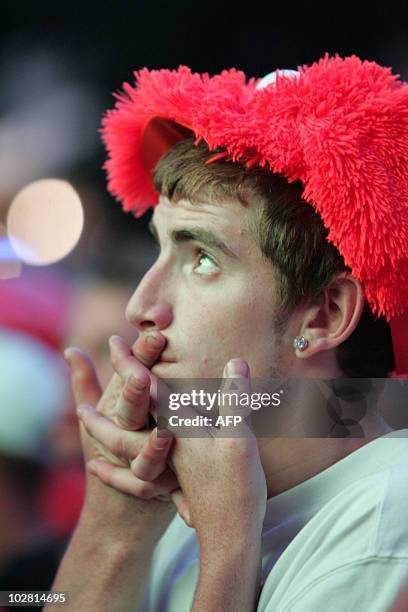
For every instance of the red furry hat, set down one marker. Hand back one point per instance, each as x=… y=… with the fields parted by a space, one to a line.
x=339 y=126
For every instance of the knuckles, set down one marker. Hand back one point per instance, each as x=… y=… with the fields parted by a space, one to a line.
x=145 y=490
x=131 y=394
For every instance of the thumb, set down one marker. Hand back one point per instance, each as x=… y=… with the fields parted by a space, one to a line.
x=181 y=504
x=235 y=399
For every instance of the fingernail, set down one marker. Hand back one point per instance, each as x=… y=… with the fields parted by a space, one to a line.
x=237 y=367
x=135 y=384
x=113 y=339
x=161 y=442
x=154 y=340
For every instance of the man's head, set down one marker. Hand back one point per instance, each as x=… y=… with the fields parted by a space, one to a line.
x=338 y=128
x=274 y=277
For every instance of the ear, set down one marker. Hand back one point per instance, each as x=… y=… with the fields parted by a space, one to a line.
x=333 y=318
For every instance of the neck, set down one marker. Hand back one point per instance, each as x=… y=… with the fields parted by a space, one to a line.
x=291 y=460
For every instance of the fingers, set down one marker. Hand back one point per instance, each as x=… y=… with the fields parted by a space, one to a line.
x=134 y=402
x=135 y=399
x=168 y=481
x=123 y=480
x=124 y=360
x=180 y=501
x=148 y=347
x=119 y=442
x=233 y=415
x=152 y=460
x=85 y=384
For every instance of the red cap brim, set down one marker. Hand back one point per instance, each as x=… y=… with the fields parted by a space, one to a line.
x=158 y=136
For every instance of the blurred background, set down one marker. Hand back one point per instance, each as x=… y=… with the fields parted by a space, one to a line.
x=59 y=64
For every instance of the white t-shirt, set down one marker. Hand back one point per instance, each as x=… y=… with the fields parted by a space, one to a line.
x=336 y=542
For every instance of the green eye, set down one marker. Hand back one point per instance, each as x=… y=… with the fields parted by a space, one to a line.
x=206 y=265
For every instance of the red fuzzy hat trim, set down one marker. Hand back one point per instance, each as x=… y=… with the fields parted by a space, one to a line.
x=190 y=100
x=340 y=127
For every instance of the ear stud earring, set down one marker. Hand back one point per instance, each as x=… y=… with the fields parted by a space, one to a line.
x=300 y=343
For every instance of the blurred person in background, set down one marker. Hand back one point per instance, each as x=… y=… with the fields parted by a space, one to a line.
x=33 y=395
x=98 y=311
x=38 y=305
x=100 y=296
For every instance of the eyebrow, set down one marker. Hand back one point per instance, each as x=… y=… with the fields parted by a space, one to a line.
x=195 y=234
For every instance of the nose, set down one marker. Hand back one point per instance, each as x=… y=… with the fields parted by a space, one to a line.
x=148 y=308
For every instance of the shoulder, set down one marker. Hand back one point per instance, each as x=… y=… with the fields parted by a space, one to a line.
x=367 y=518
x=370 y=584
x=360 y=537
x=392 y=531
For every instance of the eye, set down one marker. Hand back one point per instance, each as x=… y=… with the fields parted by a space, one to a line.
x=204 y=264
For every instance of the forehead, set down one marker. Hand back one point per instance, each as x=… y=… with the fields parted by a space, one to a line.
x=228 y=219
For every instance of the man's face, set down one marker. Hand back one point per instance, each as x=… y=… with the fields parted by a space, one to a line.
x=210 y=293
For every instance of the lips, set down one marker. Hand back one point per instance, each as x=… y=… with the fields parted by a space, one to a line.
x=165 y=359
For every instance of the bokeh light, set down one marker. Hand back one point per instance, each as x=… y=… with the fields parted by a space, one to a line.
x=45 y=221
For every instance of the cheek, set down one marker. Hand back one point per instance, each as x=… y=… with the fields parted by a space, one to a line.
x=250 y=317
x=220 y=334
x=237 y=323
x=206 y=337
x=250 y=332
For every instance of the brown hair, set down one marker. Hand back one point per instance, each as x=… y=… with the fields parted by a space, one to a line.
x=290 y=234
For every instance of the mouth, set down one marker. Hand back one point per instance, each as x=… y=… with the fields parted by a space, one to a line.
x=165 y=359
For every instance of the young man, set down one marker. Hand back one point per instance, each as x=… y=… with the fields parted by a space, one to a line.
x=247 y=284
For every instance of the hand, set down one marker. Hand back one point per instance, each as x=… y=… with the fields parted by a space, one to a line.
x=128 y=406
x=113 y=446
x=132 y=462
x=225 y=488
x=116 y=533
x=196 y=461
x=221 y=476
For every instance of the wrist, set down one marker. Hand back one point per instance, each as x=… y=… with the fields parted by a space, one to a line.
x=107 y=540
x=124 y=520
x=229 y=578
x=232 y=544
